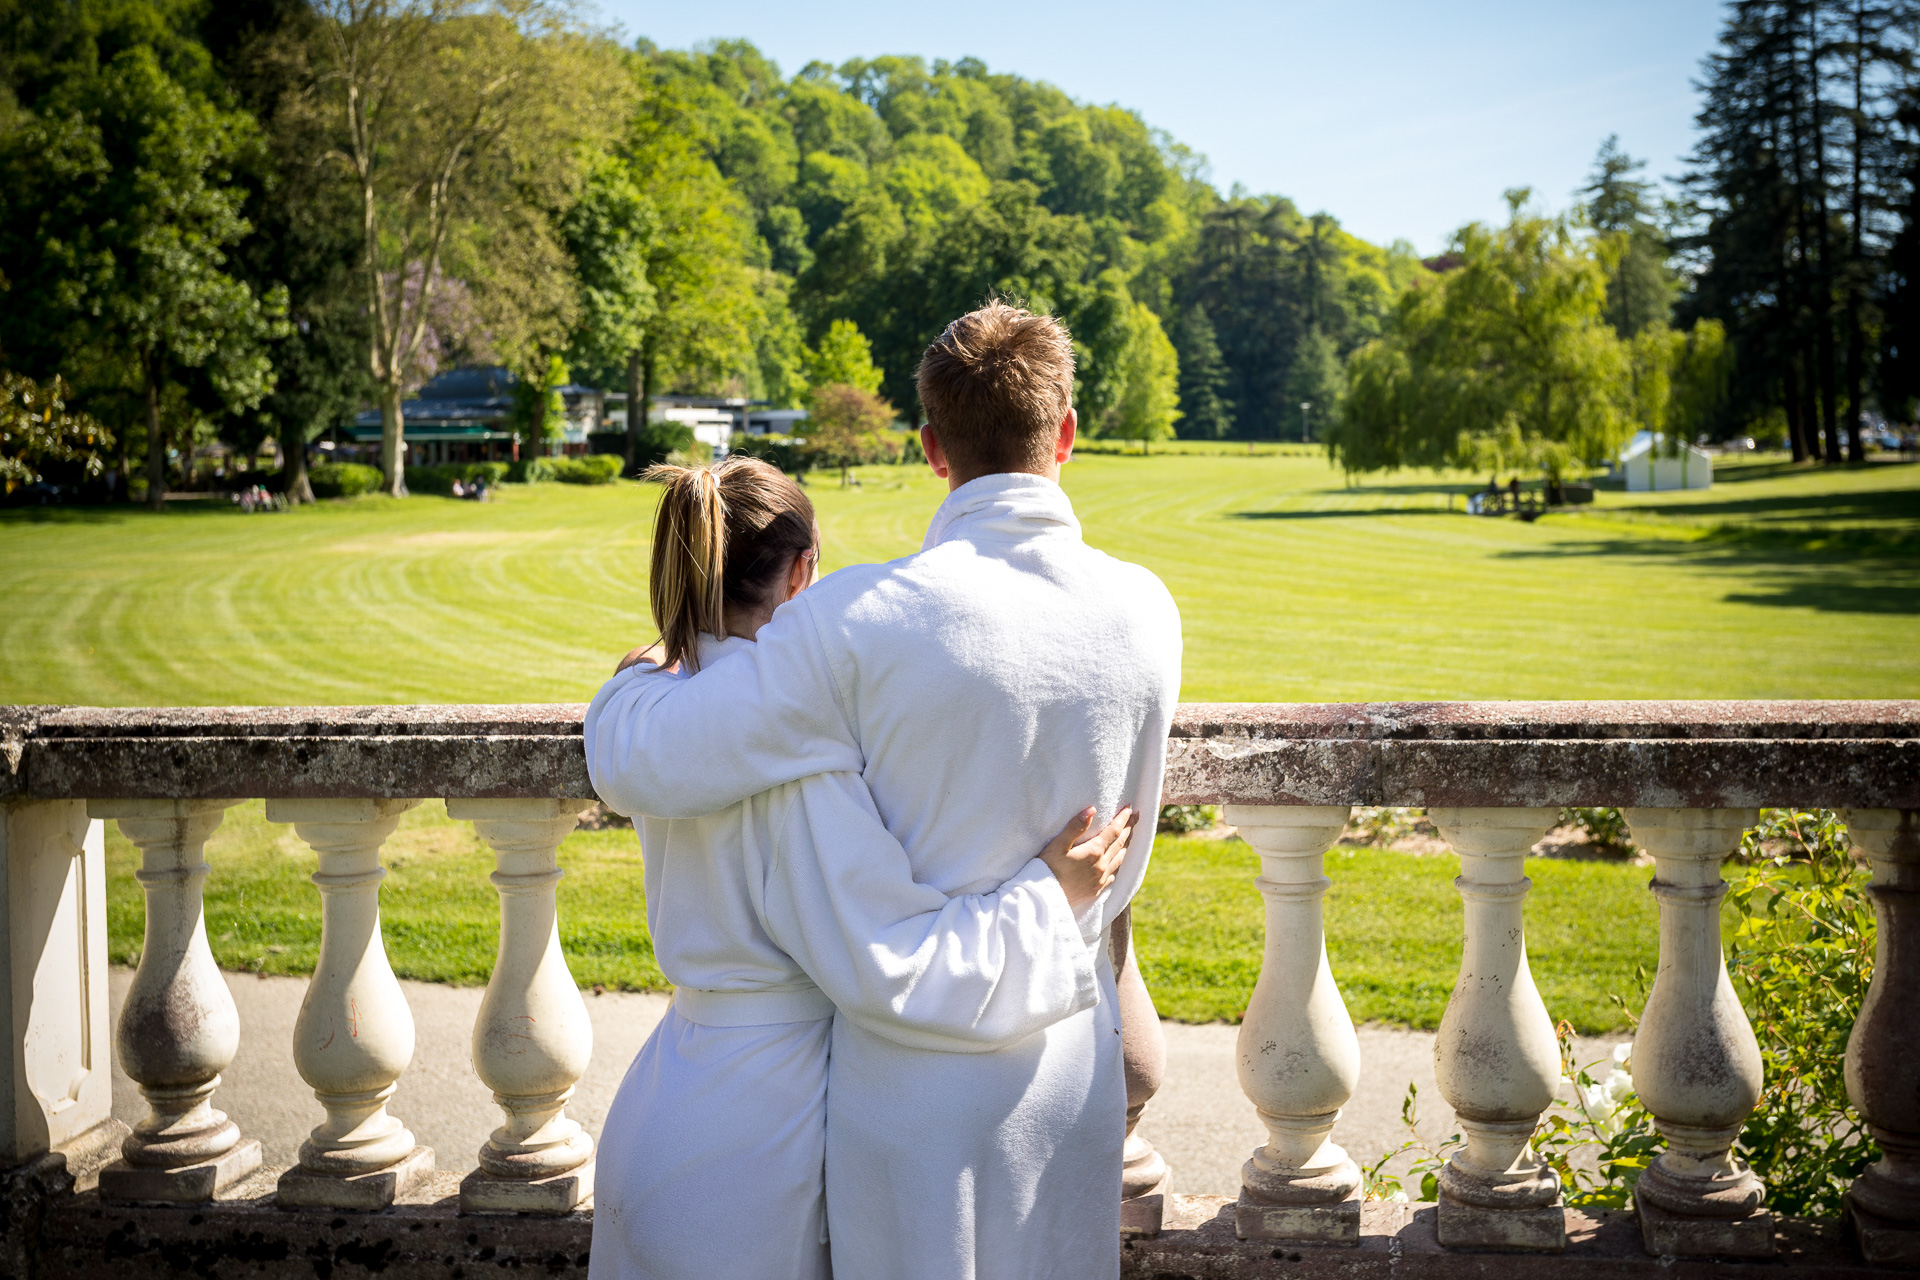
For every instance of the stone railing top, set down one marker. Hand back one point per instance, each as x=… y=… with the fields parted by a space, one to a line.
x=1721 y=753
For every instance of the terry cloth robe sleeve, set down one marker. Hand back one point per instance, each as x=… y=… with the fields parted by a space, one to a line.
x=765 y=714
x=967 y=974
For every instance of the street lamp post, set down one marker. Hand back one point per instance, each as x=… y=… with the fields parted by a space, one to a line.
x=1306 y=435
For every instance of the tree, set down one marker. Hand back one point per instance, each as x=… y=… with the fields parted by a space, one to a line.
x=1507 y=360
x=120 y=223
x=1150 y=394
x=36 y=426
x=1205 y=414
x=1621 y=208
x=846 y=425
x=693 y=248
x=457 y=123
x=539 y=412
x=1317 y=384
x=844 y=356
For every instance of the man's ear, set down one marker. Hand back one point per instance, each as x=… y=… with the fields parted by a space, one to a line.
x=936 y=457
x=1069 y=428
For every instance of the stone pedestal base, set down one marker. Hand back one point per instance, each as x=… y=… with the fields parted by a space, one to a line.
x=1141 y=1216
x=481 y=1192
x=300 y=1189
x=1466 y=1226
x=96 y=1149
x=1337 y=1223
x=1667 y=1234
x=186 y=1184
x=1881 y=1241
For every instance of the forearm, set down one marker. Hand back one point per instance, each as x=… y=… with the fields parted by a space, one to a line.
x=679 y=747
x=966 y=974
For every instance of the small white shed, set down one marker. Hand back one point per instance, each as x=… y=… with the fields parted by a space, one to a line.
x=1645 y=464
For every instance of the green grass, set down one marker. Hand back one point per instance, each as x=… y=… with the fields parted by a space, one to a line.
x=439 y=916
x=1393 y=919
x=1293 y=586
x=1393 y=923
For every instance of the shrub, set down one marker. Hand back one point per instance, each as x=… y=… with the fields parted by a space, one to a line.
x=1606 y=828
x=532 y=470
x=594 y=468
x=342 y=479
x=1183 y=819
x=785 y=452
x=1801 y=957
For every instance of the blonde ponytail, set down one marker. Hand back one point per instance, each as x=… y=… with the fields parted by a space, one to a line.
x=724 y=535
x=688 y=585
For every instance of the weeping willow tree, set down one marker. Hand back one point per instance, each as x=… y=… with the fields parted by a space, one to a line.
x=1507 y=360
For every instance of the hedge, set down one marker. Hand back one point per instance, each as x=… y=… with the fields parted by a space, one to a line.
x=342 y=479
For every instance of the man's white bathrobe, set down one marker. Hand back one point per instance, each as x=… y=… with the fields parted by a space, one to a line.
x=711 y=1159
x=984 y=688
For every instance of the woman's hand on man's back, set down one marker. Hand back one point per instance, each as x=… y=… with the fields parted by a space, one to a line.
x=1085 y=865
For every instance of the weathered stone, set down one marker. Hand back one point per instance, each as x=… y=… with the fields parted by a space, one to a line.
x=300 y=1189
x=1665 y=754
x=482 y=1192
x=1696 y=1063
x=1883 y=1071
x=1667 y=1234
x=1472 y=1226
x=1882 y=1241
x=1336 y=1223
x=181 y=1184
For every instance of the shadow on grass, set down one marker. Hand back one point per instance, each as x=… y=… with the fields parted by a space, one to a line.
x=1865 y=571
x=1349 y=513
x=1886 y=506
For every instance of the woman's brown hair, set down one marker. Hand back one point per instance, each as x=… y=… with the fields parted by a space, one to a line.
x=725 y=537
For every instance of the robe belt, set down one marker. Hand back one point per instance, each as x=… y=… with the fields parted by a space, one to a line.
x=755 y=1008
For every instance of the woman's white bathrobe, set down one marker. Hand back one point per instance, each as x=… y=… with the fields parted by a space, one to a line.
x=711 y=1159
x=984 y=689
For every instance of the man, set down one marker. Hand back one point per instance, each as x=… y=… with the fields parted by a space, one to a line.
x=1006 y=668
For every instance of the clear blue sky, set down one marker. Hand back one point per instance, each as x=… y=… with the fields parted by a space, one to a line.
x=1402 y=118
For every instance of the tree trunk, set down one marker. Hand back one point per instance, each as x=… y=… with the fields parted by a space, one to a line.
x=293 y=463
x=634 y=413
x=393 y=458
x=156 y=439
x=1823 y=277
x=1796 y=426
x=1856 y=357
x=646 y=393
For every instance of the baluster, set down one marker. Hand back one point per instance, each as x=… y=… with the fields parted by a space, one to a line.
x=354 y=1035
x=1696 y=1064
x=1144 y=1175
x=1883 y=1071
x=56 y=1094
x=1496 y=1057
x=1299 y=1059
x=532 y=1040
x=178 y=1029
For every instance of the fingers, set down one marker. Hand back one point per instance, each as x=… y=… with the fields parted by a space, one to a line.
x=1070 y=835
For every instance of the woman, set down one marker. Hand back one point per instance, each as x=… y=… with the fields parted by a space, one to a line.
x=768 y=915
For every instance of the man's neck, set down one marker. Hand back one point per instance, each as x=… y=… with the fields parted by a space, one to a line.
x=1050 y=472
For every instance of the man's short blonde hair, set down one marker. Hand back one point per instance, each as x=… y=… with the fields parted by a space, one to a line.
x=995 y=387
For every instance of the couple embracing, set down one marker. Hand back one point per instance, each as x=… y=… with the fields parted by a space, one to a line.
x=894 y=1049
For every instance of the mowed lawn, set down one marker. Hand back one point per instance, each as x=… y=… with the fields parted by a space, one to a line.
x=1293 y=586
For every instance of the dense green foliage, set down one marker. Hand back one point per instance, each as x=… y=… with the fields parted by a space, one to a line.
x=343 y=480
x=1801 y=958
x=1802 y=238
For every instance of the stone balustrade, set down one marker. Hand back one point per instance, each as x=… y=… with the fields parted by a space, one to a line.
x=85 y=1195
